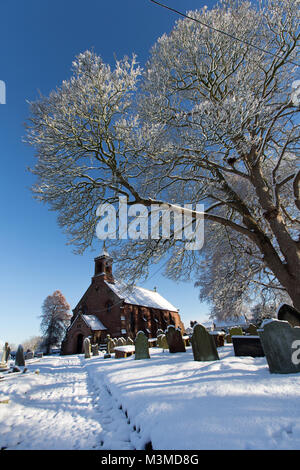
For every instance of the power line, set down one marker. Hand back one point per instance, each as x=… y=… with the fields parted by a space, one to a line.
x=222 y=32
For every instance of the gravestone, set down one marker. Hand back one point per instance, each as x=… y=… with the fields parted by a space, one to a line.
x=5 y=356
x=174 y=339
x=236 y=330
x=110 y=344
x=6 y=352
x=95 y=350
x=129 y=342
x=203 y=344
x=252 y=330
x=162 y=341
x=141 y=346
x=20 y=359
x=219 y=337
x=159 y=332
x=247 y=346
x=121 y=342
x=228 y=338
x=281 y=345
x=29 y=354
x=87 y=348
x=290 y=314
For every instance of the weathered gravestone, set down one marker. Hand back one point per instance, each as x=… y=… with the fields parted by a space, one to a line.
x=159 y=332
x=162 y=341
x=174 y=339
x=228 y=338
x=281 y=343
x=20 y=358
x=252 y=330
x=5 y=356
x=95 y=350
x=290 y=314
x=219 y=337
x=236 y=330
x=121 y=342
x=87 y=348
x=129 y=342
x=247 y=346
x=141 y=346
x=203 y=344
x=110 y=344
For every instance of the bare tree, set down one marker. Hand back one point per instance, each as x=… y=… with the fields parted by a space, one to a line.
x=33 y=343
x=212 y=120
x=55 y=318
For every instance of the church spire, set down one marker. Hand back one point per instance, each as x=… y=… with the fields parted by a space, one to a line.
x=103 y=265
x=104 y=251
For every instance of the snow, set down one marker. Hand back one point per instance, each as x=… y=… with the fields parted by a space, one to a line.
x=140 y=296
x=170 y=400
x=230 y=322
x=93 y=322
x=245 y=336
x=271 y=320
x=126 y=348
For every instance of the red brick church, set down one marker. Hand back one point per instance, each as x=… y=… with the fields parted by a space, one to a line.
x=110 y=307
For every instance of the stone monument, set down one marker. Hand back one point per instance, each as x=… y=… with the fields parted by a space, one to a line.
x=290 y=314
x=87 y=348
x=281 y=344
x=175 y=341
x=203 y=344
x=20 y=358
x=141 y=346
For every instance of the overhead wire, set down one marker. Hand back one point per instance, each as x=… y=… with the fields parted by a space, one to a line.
x=222 y=32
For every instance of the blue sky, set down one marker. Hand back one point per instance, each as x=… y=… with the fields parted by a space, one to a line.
x=38 y=42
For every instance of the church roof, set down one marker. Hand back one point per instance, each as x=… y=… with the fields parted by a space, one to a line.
x=230 y=322
x=140 y=296
x=104 y=254
x=93 y=322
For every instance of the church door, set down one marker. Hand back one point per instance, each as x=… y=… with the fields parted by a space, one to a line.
x=79 y=344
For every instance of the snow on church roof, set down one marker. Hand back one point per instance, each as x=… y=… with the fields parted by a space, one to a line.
x=141 y=296
x=93 y=322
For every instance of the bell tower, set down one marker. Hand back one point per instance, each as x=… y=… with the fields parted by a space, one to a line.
x=103 y=266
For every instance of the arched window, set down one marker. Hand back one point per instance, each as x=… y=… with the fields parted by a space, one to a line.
x=108 y=306
x=132 y=322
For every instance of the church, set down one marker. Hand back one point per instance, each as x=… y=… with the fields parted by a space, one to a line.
x=111 y=307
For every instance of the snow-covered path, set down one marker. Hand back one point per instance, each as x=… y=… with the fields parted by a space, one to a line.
x=60 y=408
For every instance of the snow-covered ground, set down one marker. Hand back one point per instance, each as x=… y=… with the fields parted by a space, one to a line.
x=169 y=400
